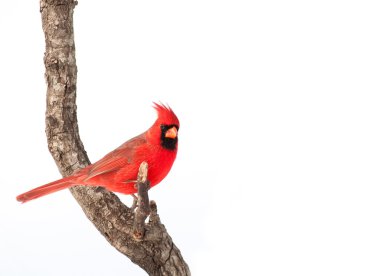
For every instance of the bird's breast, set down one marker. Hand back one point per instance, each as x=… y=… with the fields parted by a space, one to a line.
x=159 y=165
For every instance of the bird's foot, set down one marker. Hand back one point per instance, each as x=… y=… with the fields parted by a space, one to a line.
x=134 y=204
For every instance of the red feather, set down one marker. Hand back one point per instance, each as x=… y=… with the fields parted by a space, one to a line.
x=117 y=171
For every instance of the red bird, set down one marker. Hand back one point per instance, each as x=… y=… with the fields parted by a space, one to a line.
x=117 y=171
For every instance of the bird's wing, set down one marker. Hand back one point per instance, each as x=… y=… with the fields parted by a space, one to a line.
x=117 y=159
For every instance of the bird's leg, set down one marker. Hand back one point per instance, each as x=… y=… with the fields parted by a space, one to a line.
x=136 y=199
x=134 y=204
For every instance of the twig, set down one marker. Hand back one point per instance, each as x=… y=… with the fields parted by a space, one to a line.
x=143 y=209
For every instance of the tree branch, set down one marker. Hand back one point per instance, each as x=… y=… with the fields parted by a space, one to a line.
x=156 y=252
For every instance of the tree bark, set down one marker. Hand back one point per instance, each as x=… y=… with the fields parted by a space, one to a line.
x=155 y=253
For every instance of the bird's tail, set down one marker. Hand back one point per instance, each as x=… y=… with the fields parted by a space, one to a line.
x=47 y=189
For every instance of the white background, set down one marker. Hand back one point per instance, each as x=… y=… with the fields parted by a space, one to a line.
x=279 y=155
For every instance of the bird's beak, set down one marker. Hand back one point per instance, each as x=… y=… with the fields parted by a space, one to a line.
x=171 y=133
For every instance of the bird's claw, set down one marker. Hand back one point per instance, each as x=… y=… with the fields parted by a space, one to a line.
x=134 y=204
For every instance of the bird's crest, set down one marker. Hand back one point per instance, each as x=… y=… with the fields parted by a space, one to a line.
x=165 y=114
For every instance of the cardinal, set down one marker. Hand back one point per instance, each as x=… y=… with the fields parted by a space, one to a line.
x=117 y=171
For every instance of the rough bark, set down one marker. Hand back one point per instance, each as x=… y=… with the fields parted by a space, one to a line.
x=155 y=253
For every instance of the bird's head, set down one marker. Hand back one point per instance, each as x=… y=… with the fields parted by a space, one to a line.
x=165 y=129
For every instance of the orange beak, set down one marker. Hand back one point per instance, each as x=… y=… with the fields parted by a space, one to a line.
x=171 y=133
